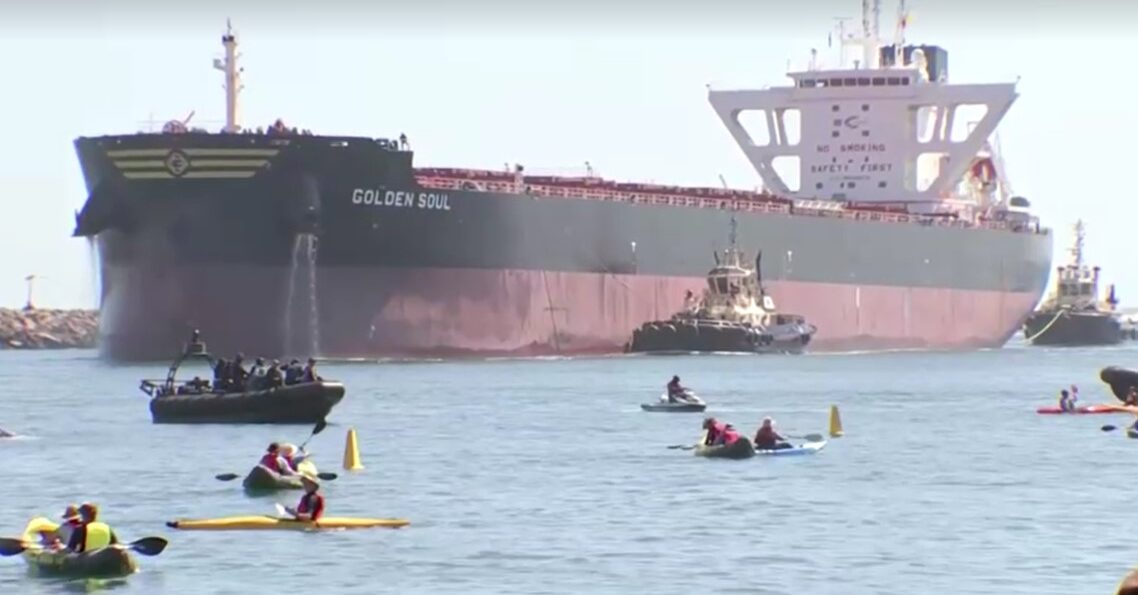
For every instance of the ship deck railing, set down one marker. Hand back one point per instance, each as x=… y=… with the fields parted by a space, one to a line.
x=736 y=201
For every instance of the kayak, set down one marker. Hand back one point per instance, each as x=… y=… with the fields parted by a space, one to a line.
x=1054 y=409
x=807 y=448
x=263 y=479
x=108 y=562
x=269 y=523
x=674 y=407
x=740 y=449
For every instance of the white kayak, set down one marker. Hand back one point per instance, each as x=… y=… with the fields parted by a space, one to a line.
x=807 y=448
x=688 y=402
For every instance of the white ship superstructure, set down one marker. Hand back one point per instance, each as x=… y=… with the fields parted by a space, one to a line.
x=882 y=127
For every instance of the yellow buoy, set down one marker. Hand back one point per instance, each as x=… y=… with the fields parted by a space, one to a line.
x=352 y=452
x=835 y=422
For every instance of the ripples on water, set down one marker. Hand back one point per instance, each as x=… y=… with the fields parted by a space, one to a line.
x=545 y=477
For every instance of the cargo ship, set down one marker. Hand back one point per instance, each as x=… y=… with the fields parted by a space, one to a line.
x=1073 y=314
x=893 y=231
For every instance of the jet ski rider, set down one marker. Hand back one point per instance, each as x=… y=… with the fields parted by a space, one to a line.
x=676 y=392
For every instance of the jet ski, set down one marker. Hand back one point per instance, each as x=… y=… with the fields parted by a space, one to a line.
x=685 y=401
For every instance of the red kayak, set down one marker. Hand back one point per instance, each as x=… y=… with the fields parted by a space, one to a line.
x=1084 y=410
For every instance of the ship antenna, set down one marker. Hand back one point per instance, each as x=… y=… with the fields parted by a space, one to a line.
x=1077 y=250
x=876 y=19
x=232 y=72
x=866 y=31
x=732 y=235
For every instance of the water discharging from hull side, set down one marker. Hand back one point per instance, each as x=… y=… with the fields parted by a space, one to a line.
x=303 y=262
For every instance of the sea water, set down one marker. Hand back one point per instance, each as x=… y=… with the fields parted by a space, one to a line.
x=544 y=476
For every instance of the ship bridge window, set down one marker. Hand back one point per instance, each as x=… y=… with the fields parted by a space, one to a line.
x=850 y=82
x=905 y=80
x=863 y=82
x=878 y=81
x=835 y=82
x=808 y=83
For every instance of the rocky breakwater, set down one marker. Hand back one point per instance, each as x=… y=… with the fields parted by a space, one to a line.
x=48 y=329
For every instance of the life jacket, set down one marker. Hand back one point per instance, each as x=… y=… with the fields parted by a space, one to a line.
x=730 y=436
x=271 y=461
x=98 y=537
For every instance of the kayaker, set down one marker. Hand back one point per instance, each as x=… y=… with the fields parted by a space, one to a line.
x=292 y=455
x=729 y=435
x=275 y=460
x=71 y=521
x=1074 y=396
x=311 y=506
x=714 y=430
x=767 y=438
x=1064 y=401
x=90 y=534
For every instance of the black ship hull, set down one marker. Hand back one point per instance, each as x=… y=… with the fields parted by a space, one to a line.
x=1073 y=328
x=338 y=246
x=717 y=336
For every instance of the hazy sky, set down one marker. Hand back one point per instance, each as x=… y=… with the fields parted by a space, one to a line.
x=546 y=84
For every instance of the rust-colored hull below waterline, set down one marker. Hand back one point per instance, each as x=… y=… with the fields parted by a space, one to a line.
x=394 y=312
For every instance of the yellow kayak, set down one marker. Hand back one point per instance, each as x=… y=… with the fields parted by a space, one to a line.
x=106 y=562
x=268 y=523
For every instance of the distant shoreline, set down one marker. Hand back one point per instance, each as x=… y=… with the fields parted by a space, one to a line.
x=48 y=329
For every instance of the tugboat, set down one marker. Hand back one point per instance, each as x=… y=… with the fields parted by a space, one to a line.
x=195 y=401
x=1073 y=315
x=734 y=314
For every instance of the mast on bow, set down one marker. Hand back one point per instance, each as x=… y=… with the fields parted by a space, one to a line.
x=232 y=71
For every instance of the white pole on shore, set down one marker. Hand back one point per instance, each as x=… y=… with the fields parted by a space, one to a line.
x=31 y=279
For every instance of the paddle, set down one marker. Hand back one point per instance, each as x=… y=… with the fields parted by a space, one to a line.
x=232 y=476
x=320 y=425
x=147 y=546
